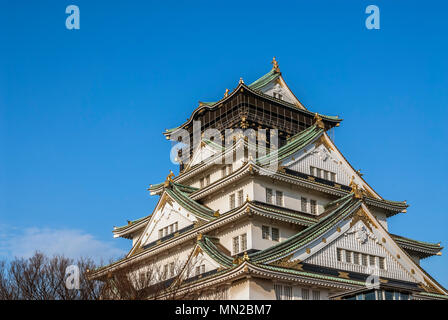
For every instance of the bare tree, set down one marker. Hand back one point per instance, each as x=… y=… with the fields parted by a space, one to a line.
x=42 y=278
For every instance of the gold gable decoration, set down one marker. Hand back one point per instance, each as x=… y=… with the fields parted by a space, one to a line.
x=361 y=215
x=275 y=66
x=287 y=263
x=318 y=121
x=169 y=179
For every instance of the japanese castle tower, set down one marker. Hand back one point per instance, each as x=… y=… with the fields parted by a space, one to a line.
x=306 y=226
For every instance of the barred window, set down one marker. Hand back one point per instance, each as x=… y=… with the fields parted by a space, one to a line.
x=319 y=173
x=175 y=226
x=275 y=234
x=243 y=242
x=305 y=294
x=172 y=269
x=356 y=258
x=348 y=256
x=223 y=172
x=372 y=260
x=229 y=169
x=313 y=205
x=236 y=245
x=240 y=197
x=287 y=293
x=202 y=182
x=339 y=254
x=382 y=263
x=333 y=176
x=304 y=202
x=312 y=171
x=364 y=259
x=278 y=288
x=269 y=195
x=265 y=232
x=198 y=270
x=160 y=233
x=207 y=178
x=316 y=295
x=232 y=201
x=279 y=198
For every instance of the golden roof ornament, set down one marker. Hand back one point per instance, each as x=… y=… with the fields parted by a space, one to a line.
x=245 y=256
x=226 y=94
x=356 y=190
x=318 y=121
x=275 y=66
x=169 y=178
x=241 y=80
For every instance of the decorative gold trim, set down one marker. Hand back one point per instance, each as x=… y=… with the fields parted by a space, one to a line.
x=344 y=275
x=308 y=250
x=323 y=141
x=275 y=66
x=318 y=121
x=361 y=215
x=287 y=263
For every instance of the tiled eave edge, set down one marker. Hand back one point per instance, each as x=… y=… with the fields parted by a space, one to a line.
x=250 y=168
x=127 y=231
x=424 y=252
x=240 y=87
x=249 y=270
x=246 y=209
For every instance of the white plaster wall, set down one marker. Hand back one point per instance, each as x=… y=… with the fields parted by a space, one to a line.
x=291 y=194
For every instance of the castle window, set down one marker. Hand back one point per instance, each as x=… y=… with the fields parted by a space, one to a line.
x=305 y=294
x=333 y=176
x=223 y=172
x=348 y=256
x=268 y=195
x=278 y=288
x=364 y=259
x=275 y=234
x=316 y=295
x=202 y=182
x=232 y=201
x=207 y=178
x=356 y=258
x=240 y=197
x=339 y=254
x=160 y=233
x=372 y=260
x=240 y=243
x=382 y=263
x=172 y=269
x=287 y=293
x=313 y=205
x=279 y=198
x=243 y=242
x=304 y=202
x=236 y=245
x=265 y=232
x=229 y=169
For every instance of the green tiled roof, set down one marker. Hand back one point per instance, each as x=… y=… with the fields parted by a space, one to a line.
x=332 y=215
x=295 y=143
x=264 y=80
x=185 y=201
x=210 y=248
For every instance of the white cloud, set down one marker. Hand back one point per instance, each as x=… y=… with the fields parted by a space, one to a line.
x=68 y=242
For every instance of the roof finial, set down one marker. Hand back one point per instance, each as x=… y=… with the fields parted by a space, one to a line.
x=226 y=94
x=275 y=66
x=241 y=80
x=169 y=179
x=318 y=121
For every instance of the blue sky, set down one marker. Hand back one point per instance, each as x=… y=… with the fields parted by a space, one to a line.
x=82 y=111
